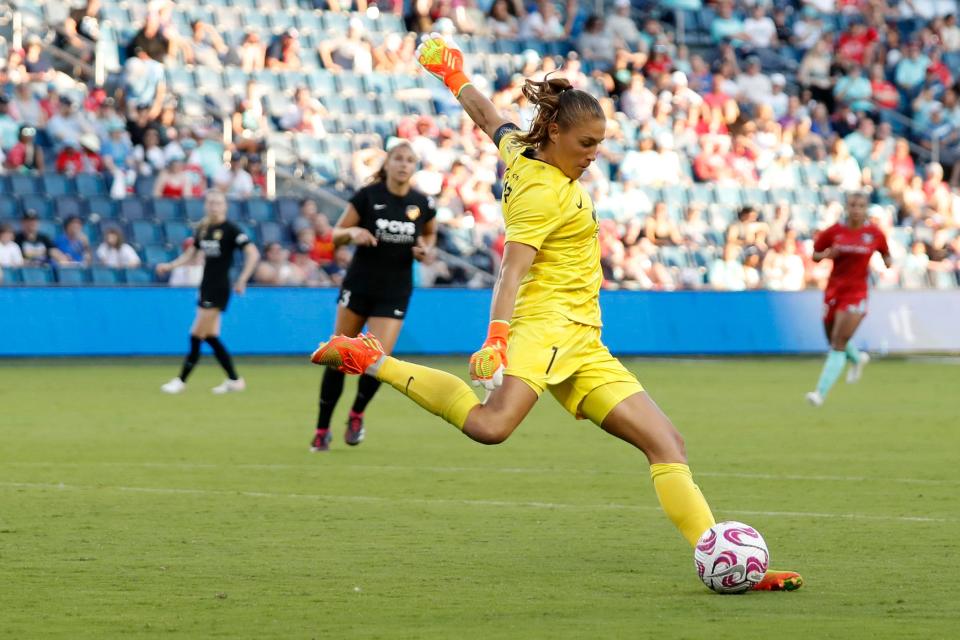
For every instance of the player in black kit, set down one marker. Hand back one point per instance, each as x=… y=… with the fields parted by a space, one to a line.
x=217 y=238
x=391 y=224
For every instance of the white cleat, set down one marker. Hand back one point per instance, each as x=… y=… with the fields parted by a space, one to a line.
x=174 y=386
x=229 y=386
x=856 y=370
x=815 y=399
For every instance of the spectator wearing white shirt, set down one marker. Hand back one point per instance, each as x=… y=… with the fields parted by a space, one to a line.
x=115 y=252
x=234 y=179
x=760 y=28
x=778 y=99
x=595 y=43
x=10 y=253
x=543 y=24
x=950 y=34
x=753 y=86
x=622 y=28
x=67 y=125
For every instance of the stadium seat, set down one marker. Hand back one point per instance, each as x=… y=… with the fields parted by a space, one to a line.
x=103 y=206
x=193 y=207
x=56 y=184
x=37 y=276
x=673 y=257
x=138 y=276
x=208 y=79
x=362 y=105
x=21 y=184
x=5 y=186
x=66 y=206
x=378 y=83
x=754 y=196
x=105 y=276
x=134 y=209
x=154 y=254
x=349 y=83
x=39 y=203
x=236 y=210
x=807 y=196
x=250 y=231
x=176 y=232
x=259 y=210
x=11 y=275
x=288 y=209
x=144 y=186
x=145 y=233
x=73 y=276
x=322 y=84
x=701 y=193
x=272 y=232
x=167 y=209
x=180 y=80
x=9 y=207
x=728 y=196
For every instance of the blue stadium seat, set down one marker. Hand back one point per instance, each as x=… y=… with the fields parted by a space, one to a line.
x=288 y=209
x=419 y=106
x=21 y=184
x=334 y=102
x=207 y=79
x=105 y=276
x=193 y=207
x=728 y=196
x=12 y=275
x=236 y=210
x=56 y=184
x=167 y=209
x=272 y=232
x=180 y=80
x=383 y=128
x=235 y=78
x=326 y=166
x=134 y=209
x=754 y=196
x=378 y=83
x=776 y=195
x=674 y=257
x=73 y=276
x=177 y=232
x=349 y=83
x=66 y=206
x=138 y=275
x=807 y=196
x=154 y=254
x=104 y=206
x=5 y=186
x=390 y=106
x=361 y=105
x=322 y=84
x=335 y=22
x=9 y=207
x=37 y=276
x=39 y=203
x=144 y=232
x=144 y=186
x=340 y=144
x=250 y=231
x=702 y=193
x=675 y=194
x=259 y=210
x=49 y=229
x=293 y=80
x=831 y=194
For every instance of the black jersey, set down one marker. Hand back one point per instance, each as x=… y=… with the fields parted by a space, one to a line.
x=396 y=222
x=217 y=244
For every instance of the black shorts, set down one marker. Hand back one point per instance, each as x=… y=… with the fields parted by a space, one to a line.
x=214 y=298
x=375 y=305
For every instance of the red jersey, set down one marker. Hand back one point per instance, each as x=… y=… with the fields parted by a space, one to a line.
x=854 y=248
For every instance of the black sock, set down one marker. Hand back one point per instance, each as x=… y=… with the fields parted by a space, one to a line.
x=366 y=388
x=223 y=357
x=192 y=357
x=330 y=390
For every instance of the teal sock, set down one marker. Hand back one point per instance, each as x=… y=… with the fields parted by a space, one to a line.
x=832 y=369
x=853 y=354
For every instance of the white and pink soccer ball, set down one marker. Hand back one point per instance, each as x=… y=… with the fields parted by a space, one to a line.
x=731 y=557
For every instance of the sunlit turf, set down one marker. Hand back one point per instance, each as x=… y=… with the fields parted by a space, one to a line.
x=125 y=512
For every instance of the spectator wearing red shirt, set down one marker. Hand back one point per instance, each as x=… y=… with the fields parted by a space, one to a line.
x=885 y=94
x=84 y=158
x=857 y=44
x=26 y=155
x=938 y=70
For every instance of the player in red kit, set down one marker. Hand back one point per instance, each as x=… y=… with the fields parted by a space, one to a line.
x=850 y=246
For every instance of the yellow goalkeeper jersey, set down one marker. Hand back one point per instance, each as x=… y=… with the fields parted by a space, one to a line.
x=548 y=211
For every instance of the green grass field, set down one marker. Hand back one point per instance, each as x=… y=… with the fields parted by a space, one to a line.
x=127 y=513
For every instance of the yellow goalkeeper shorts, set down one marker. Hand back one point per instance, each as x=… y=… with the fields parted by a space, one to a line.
x=552 y=352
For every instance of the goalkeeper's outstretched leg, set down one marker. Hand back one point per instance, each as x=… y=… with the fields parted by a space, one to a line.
x=439 y=392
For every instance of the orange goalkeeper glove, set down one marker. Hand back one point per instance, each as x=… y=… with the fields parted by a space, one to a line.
x=487 y=364
x=444 y=60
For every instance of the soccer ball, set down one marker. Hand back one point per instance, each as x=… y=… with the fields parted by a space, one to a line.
x=731 y=557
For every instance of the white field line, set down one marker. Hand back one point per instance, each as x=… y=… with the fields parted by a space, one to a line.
x=506 y=470
x=459 y=502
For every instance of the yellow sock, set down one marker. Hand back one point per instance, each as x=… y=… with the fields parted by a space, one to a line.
x=439 y=392
x=681 y=500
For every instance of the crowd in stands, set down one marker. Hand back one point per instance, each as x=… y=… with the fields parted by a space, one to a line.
x=735 y=129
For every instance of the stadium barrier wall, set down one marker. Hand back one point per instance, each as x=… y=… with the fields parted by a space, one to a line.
x=92 y=321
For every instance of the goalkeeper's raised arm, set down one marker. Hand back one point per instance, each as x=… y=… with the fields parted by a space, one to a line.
x=444 y=60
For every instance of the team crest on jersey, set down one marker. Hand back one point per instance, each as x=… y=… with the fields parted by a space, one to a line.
x=868 y=238
x=217 y=234
x=413 y=212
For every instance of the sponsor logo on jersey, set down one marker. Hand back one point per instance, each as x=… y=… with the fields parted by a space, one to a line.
x=396 y=231
x=413 y=212
x=217 y=234
x=868 y=238
x=379 y=207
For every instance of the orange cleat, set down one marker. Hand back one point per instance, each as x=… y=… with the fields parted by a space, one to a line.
x=349 y=355
x=779 y=581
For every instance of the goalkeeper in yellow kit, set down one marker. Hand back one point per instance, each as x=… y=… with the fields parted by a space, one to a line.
x=545 y=324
